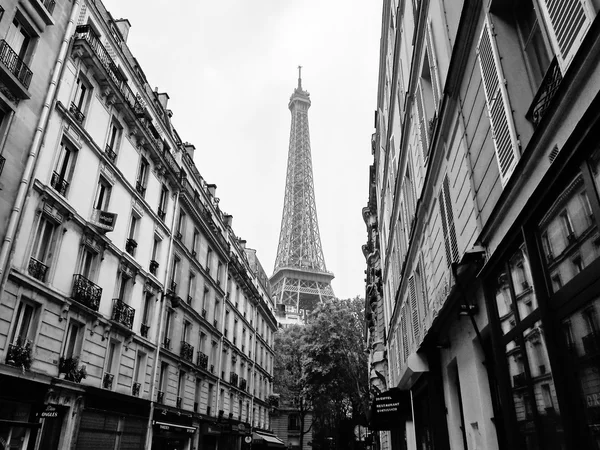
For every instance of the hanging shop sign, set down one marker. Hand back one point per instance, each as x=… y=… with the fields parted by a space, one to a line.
x=174 y=428
x=104 y=220
x=390 y=409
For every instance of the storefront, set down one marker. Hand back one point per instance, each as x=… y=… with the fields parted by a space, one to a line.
x=543 y=299
x=172 y=431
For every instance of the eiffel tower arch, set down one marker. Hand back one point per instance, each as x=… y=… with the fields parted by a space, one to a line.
x=300 y=279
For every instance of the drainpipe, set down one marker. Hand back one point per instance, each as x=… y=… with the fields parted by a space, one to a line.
x=160 y=325
x=15 y=214
x=218 y=393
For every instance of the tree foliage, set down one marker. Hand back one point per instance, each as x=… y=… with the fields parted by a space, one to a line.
x=322 y=367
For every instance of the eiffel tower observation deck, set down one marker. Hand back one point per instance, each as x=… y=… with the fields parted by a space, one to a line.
x=300 y=279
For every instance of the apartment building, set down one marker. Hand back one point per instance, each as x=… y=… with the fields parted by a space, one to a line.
x=482 y=250
x=118 y=326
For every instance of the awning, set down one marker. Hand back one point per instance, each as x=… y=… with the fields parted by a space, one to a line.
x=271 y=440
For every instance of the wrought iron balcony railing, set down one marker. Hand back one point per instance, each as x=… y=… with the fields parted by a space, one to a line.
x=122 y=313
x=107 y=380
x=187 y=351
x=77 y=114
x=15 y=64
x=153 y=267
x=546 y=92
x=86 y=292
x=591 y=344
x=160 y=398
x=144 y=330
x=130 y=246
x=202 y=360
x=37 y=269
x=135 y=389
x=59 y=184
x=110 y=153
x=19 y=354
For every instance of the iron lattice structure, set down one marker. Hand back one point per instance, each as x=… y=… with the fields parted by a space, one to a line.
x=300 y=279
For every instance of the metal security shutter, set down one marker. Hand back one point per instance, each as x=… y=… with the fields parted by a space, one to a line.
x=97 y=431
x=496 y=96
x=133 y=436
x=435 y=79
x=569 y=21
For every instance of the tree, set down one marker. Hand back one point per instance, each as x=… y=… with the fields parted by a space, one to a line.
x=335 y=372
x=288 y=371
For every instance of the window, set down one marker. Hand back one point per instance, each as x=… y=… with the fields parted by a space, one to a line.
x=102 y=194
x=208 y=259
x=73 y=340
x=162 y=203
x=198 y=394
x=163 y=381
x=195 y=242
x=88 y=263
x=204 y=299
x=112 y=358
x=180 y=224
x=167 y=332
x=81 y=98
x=142 y=178
x=187 y=326
x=532 y=40
x=113 y=140
x=155 y=255
x=123 y=283
x=209 y=399
x=146 y=314
x=191 y=287
x=180 y=388
x=131 y=243
x=24 y=329
x=139 y=376
x=63 y=172
x=499 y=112
x=219 y=272
x=43 y=247
x=175 y=274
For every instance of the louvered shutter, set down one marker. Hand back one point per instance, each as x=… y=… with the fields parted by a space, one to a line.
x=450 y=219
x=569 y=21
x=496 y=96
x=444 y=227
x=405 y=345
x=435 y=79
x=412 y=293
x=422 y=120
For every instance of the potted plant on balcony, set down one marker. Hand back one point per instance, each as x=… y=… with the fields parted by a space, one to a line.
x=19 y=354
x=70 y=367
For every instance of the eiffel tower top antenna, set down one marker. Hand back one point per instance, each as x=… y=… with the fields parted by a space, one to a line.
x=299 y=77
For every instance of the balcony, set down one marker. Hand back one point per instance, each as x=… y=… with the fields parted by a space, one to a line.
x=135 y=389
x=144 y=330
x=243 y=384
x=153 y=266
x=107 y=381
x=591 y=344
x=110 y=153
x=519 y=380
x=77 y=114
x=122 y=313
x=166 y=343
x=545 y=94
x=233 y=378
x=37 y=269
x=86 y=292
x=130 y=246
x=187 y=351
x=59 y=184
x=14 y=71
x=202 y=360
x=160 y=398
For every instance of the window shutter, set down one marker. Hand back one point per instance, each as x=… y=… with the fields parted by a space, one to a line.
x=503 y=130
x=405 y=348
x=450 y=219
x=444 y=227
x=412 y=292
x=422 y=120
x=435 y=80
x=569 y=21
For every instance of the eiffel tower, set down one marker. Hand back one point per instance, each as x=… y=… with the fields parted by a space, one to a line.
x=300 y=279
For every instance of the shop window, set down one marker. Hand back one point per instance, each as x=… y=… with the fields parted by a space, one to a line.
x=568 y=232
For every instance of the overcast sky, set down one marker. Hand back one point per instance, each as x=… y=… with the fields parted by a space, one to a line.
x=230 y=68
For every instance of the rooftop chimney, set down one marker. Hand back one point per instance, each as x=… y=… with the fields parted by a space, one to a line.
x=123 y=25
x=212 y=189
x=189 y=148
x=228 y=219
x=163 y=99
x=242 y=243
